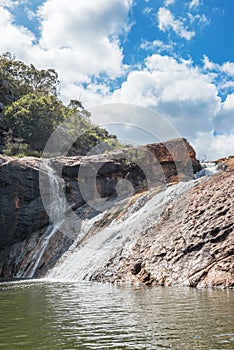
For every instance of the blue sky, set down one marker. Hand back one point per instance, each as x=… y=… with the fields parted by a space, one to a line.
x=173 y=57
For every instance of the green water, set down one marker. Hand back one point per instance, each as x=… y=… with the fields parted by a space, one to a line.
x=54 y=315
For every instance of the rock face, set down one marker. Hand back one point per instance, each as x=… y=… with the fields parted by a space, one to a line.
x=22 y=216
x=191 y=245
x=22 y=211
x=24 y=221
x=143 y=167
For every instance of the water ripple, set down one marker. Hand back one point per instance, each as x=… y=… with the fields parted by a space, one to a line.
x=40 y=315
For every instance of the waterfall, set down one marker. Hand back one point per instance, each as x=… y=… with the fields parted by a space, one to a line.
x=83 y=260
x=208 y=169
x=56 y=207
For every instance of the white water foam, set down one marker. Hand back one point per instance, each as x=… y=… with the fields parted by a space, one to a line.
x=83 y=260
x=208 y=169
x=56 y=207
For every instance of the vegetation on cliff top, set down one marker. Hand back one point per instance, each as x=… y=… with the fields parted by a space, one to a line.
x=33 y=111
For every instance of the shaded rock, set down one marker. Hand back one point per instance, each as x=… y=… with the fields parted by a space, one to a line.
x=145 y=277
x=136 y=268
x=22 y=211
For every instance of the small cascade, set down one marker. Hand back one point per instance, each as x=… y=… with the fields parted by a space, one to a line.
x=84 y=259
x=39 y=253
x=208 y=169
x=56 y=207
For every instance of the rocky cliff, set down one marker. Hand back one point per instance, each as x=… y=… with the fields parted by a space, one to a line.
x=24 y=222
x=192 y=244
x=185 y=240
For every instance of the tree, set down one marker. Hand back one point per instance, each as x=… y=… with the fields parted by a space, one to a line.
x=76 y=104
x=6 y=92
x=77 y=107
x=33 y=111
x=18 y=79
x=33 y=118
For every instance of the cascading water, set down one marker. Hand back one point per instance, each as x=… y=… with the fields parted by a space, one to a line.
x=56 y=207
x=82 y=261
x=98 y=241
x=208 y=169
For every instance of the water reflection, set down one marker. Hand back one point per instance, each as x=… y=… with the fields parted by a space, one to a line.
x=46 y=315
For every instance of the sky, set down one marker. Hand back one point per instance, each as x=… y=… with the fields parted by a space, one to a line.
x=172 y=58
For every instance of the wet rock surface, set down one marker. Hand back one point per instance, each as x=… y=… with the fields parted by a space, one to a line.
x=22 y=211
x=192 y=244
x=24 y=221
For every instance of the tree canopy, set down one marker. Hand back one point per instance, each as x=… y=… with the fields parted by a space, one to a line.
x=34 y=117
x=18 y=79
x=33 y=111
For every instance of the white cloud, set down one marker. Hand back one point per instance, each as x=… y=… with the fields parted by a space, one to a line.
x=194 y=3
x=183 y=96
x=79 y=39
x=167 y=21
x=16 y=39
x=30 y=14
x=8 y=3
x=157 y=45
x=229 y=103
x=199 y=19
x=90 y=95
x=82 y=36
x=227 y=85
x=207 y=64
x=175 y=89
x=147 y=10
x=169 y=2
x=226 y=67
x=213 y=147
